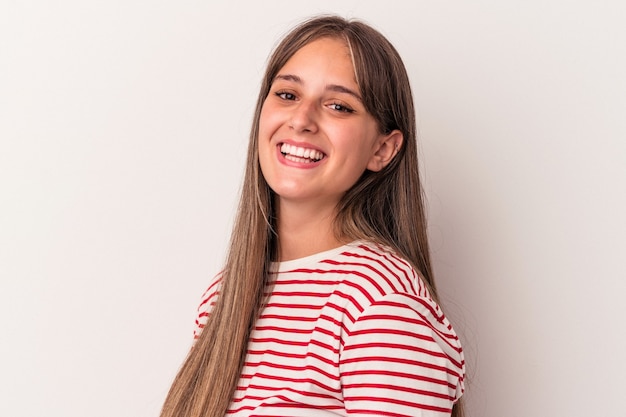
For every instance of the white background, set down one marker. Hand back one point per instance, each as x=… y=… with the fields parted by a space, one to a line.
x=123 y=129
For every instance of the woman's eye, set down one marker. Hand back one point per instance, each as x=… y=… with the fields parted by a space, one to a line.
x=285 y=96
x=341 y=108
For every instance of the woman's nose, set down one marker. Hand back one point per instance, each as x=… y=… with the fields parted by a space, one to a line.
x=304 y=117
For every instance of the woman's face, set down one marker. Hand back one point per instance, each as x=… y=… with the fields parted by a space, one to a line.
x=315 y=136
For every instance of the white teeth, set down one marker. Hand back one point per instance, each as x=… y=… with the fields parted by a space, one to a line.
x=304 y=153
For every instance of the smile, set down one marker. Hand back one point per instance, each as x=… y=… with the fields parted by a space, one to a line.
x=302 y=155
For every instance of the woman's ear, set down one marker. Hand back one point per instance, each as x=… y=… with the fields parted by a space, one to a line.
x=387 y=146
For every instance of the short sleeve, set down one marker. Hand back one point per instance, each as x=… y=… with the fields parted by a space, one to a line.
x=401 y=358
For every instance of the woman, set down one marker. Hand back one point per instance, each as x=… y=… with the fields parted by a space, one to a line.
x=326 y=305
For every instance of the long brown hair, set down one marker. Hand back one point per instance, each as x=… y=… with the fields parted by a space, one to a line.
x=392 y=214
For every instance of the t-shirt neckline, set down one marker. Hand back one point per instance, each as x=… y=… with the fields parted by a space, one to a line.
x=311 y=259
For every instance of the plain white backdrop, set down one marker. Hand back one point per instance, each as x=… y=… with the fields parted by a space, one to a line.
x=123 y=130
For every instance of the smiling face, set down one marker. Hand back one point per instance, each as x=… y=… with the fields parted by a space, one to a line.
x=315 y=137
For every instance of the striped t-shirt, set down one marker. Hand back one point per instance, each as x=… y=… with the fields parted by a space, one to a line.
x=350 y=331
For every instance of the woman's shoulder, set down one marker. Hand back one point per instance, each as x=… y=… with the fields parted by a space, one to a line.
x=403 y=313
x=354 y=276
x=381 y=268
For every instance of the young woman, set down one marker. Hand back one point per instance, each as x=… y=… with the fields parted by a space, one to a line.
x=326 y=305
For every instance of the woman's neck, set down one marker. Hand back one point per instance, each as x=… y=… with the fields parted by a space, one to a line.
x=304 y=230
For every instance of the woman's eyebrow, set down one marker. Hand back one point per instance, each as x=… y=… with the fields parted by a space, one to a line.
x=289 y=77
x=331 y=87
x=342 y=89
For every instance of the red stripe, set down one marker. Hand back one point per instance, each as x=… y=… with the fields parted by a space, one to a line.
x=299 y=392
x=409 y=348
x=399 y=402
x=396 y=374
x=377 y=413
x=382 y=332
x=277 y=341
x=300 y=282
x=272 y=365
x=393 y=318
x=287 y=404
x=288 y=318
x=396 y=346
x=291 y=380
x=325 y=346
x=283 y=329
x=393 y=387
x=295 y=306
x=385 y=413
x=293 y=355
x=384 y=359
